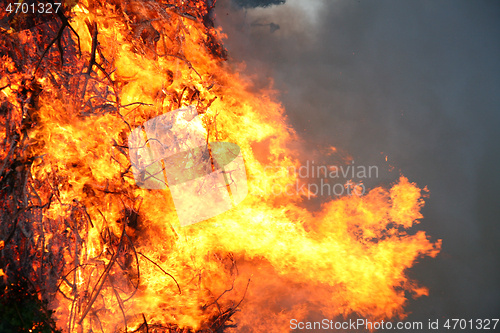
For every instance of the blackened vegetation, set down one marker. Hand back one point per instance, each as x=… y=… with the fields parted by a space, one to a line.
x=31 y=269
x=22 y=311
x=141 y=13
x=41 y=255
x=23 y=21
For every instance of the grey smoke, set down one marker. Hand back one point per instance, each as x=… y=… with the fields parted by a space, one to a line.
x=417 y=81
x=257 y=3
x=272 y=27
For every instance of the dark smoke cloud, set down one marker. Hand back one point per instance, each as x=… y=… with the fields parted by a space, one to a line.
x=257 y=3
x=416 y=81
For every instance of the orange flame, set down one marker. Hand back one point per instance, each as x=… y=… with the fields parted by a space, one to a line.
x=351 y=257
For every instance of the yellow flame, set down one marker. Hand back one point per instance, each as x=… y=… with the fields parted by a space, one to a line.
x=350 y=257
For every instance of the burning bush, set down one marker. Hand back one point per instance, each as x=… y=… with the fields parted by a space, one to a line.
x=108 y=255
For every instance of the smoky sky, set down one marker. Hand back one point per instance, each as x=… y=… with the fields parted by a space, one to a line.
x=416 y=81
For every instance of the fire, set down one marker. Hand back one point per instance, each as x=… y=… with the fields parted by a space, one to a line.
x=122 y=260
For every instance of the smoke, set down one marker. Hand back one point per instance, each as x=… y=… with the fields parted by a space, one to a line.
x=418 y=82
x=257 y=3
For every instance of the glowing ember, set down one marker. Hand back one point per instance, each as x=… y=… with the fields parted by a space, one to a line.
x=118 y=252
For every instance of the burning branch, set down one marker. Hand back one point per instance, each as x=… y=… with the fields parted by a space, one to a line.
x=65 y=24
x=151 y=261
x=102 y=279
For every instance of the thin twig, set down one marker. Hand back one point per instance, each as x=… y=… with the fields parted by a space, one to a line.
x=102 y=279
x=145 y=323
x=162 y=271
x=65 y=23
x=120 y=304
x=93 y=30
